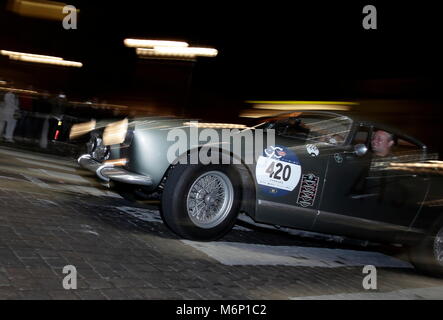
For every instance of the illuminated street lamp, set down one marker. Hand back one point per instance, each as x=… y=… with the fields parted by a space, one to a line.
x=145 y=43
x=169 y=50
x=37 y=58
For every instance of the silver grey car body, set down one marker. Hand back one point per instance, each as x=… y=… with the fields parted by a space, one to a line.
x=388 y=204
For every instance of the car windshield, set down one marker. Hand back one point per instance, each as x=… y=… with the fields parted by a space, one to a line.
x=313 y=128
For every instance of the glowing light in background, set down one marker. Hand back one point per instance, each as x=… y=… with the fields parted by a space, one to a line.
x=115 y=133
x=80 y=129
x=18 y=90
x=51 y=10
x=117 y=162
x=299 y=102
x=190 y=52
x=142 y=43
x=37 y=58
x=165 y=49
x=269 y=108
x=215 y=125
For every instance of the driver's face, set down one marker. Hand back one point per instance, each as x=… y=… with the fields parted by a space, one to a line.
x=381 y=142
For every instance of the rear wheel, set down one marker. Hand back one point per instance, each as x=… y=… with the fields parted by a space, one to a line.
x=428 y=255
x=201 y=202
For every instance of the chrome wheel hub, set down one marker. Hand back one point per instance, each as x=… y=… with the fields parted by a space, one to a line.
x=210 y=199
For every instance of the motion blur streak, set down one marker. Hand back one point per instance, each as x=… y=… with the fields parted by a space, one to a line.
x=268 y=108
x=36 y=58
x=284 y=107
x=80 y=129
x=12 y=54
x=189 y=51
x=17 y=90
x=116 y=162
x=142 y=43
x=177 y=52
x=115 y=133
x=51 y=10
x=346 y=103
x=429 y=167
x=438 y=165
x=215 y=125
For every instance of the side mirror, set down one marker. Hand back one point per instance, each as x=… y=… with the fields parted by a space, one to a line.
x=360 y=149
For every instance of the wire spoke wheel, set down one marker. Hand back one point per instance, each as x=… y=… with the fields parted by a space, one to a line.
x=210 y=199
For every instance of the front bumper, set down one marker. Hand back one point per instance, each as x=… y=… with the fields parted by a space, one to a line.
x=109 y=172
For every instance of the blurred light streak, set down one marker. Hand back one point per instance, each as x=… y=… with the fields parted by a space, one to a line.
x=141 y=43
x=36 y=58
x=43 y=9
x=177 y=52
x=189 y=51
x=215 y=125
x=250 y=113
x=305 y=107
x=347 y=103
x=80 y=129
x=438 y=165
x=117 y=162
x=18 y=54
x=417 y=170
x=115 y=133
x=262 y=109
x=100 y=105
x=434 y=203
x=18 y=90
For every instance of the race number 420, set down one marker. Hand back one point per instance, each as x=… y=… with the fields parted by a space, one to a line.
x=279 y=171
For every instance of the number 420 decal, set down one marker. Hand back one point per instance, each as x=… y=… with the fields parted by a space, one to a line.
x=279 y=171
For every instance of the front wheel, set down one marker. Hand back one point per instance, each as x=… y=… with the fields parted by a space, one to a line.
x=201 y=202
x=428 y=255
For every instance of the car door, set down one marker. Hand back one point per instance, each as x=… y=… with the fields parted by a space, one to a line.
x=399 y=188
x=346 y=191
x=293 y=203
x=364 y=197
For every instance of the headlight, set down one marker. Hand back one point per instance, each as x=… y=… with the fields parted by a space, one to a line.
x=115 y=133
x=80 y=129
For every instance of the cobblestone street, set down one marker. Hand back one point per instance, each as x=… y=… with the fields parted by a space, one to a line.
x=54 y=214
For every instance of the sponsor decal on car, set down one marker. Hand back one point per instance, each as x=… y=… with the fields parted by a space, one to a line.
x=278 y=170
x=312 y=150
x=308 y=190
x=338 y=158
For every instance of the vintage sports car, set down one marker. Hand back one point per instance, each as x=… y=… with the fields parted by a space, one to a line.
x=319 y=172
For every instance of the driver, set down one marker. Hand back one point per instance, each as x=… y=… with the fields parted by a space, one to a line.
x=382 y=143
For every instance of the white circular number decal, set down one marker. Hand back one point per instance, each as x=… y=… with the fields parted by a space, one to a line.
x=277 y=174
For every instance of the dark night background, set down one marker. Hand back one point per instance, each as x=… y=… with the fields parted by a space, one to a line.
x=289 y=50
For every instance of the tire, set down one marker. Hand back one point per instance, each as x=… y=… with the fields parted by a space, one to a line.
x=427 y=256
x=185 y=200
